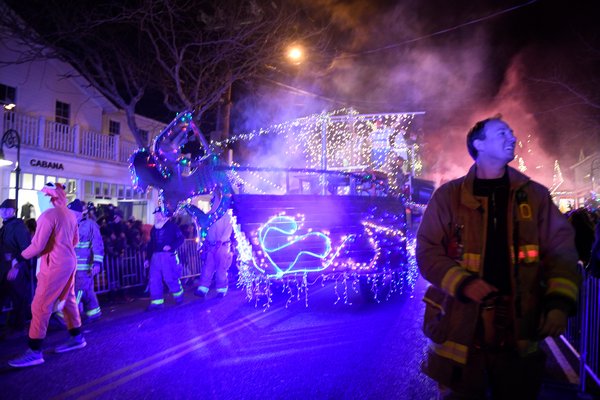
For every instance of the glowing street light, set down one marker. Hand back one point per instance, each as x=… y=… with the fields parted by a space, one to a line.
x=295 y=54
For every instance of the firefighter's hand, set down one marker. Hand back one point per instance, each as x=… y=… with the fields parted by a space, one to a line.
x=478 y=289
x=12 y=273
x=167 y=248
x=146 y=264
x=554 y=323
x=95 y=269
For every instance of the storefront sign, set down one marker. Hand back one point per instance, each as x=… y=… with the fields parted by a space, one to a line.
x=46 y=164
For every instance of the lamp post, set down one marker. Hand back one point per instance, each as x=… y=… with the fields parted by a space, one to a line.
x=11 y=139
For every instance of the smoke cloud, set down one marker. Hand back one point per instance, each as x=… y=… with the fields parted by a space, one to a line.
x=425 y=56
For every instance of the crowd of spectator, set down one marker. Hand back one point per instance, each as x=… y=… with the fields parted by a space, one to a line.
x=120 y=234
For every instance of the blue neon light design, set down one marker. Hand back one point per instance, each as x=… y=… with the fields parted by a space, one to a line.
x=270 y=234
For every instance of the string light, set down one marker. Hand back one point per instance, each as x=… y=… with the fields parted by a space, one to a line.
x=256 y=177
x=353 y=141
x=376 y=257
x=389 y=267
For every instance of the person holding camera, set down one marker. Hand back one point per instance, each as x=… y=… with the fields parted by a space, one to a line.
x=501 y=261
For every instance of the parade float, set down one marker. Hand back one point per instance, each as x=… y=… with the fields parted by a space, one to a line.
x=317 y=200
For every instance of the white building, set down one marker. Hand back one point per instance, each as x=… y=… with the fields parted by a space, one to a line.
x=69 y=133
x=586 y=177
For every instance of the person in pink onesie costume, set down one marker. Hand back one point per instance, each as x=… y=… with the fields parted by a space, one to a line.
x=54 y=242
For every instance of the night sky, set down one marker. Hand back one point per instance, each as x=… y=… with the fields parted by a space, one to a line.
x=535 y=62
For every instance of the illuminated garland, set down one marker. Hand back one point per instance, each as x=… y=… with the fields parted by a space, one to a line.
x=256 y=177
x=369 y=142
x=353 y=141
x=259 y=273
x=557 y=178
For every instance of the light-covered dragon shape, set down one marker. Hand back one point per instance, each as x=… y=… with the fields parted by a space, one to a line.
x=175 y=165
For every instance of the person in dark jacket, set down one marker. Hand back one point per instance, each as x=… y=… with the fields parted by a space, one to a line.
x=594 y=263
x=583 y=223
x=16 y=275
x=163 y=260
x=501 y=261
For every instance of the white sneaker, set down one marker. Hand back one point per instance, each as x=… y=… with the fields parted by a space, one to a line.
x=73 y=343
x=29 y=358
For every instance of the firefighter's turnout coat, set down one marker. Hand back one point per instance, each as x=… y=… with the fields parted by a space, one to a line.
x=542 y=268
x=90 y=248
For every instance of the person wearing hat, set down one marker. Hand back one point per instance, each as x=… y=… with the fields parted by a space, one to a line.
x=55 y=238
x=16 y=276
x=162 y=258
x=90 y=255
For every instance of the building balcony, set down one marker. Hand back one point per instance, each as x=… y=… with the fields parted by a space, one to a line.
x=38 y=132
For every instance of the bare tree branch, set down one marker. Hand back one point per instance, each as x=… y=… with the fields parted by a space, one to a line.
x=583 y=98
x=189 y=51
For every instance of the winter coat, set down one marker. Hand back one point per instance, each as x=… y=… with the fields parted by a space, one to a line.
x=90 y=248
x=14 y=237
x=169 y=235
x=451 y=250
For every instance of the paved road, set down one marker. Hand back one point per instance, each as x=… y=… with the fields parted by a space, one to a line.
x=230 y=349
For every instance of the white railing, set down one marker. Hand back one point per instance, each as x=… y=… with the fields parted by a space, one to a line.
x=125 y=151
x=97 y=145
x=59 y=137
x=36 y=131
x=28 y=127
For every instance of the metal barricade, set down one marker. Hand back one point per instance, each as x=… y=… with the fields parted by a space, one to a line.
x=583 y=331
x=122 y=271
x=127 y=270
x=190 y=258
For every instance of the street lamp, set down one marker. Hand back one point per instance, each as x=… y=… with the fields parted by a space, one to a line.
x=12 y=139
x=295 y=54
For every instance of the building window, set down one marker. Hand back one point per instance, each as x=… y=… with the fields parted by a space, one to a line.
x=8 y=94
x=27 y=181
x=88 y=189
x=39 y=182
x=71 y=186
x=144 y=135
x=114 y=127
x=63 y=113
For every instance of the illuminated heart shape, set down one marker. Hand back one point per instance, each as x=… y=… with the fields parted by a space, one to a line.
x=278 y=235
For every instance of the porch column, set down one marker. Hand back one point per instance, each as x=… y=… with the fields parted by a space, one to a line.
x=76 y=139
x=116 y=149
x=41 y=131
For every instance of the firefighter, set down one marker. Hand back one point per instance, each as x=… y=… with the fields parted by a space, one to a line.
x=217 y=246
x=90 y=255
x=501 y=261
x=163 y=260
